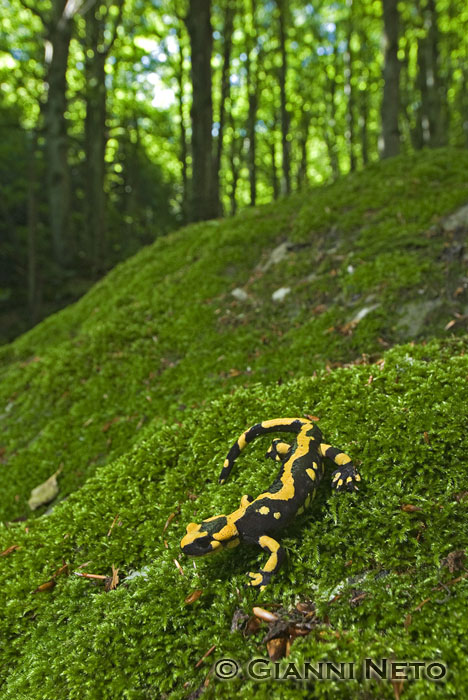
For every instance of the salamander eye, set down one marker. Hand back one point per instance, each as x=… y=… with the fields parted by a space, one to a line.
x=192 y=527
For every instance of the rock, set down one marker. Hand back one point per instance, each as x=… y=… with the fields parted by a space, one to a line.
x=363 y=313
x=280 y=293
x=276 y=256
x=458 y=219
x=239 y=294
x=413 y=316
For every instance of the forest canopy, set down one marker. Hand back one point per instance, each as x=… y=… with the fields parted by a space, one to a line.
x=124 y=119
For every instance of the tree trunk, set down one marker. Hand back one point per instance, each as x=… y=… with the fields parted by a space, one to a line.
x=391 y=74
x=252 y=152
x=95 y=145
x=201 y=41
x=97 y=51
x=58 y=175
x=183 y=153
x=285 y=117
x=225 y=88
x=431 y=128
x=235 y=152
x=363 y=123
x=301 y=177
x=349 y=92
x=330 y=129
x=252 y=90
x=275 y=181
x=33 y=301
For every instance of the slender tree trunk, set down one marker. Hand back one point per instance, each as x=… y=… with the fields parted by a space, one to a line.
x=98 y=28
x=234 y=160
x=201 y=42
x=285 y=117
x=252 y=152
x=225 y=89
x=363 y=123
x=349 y=91
x=95 y=146
x=183 y=152
x=252 y=91
x=301 y=177
x=58 y=174
x=330 y=130
x=421 y=130
x=32 y=232
x=432 y=122
x=275 y=180
x=391 y=74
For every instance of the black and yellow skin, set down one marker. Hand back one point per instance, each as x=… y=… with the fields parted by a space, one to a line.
x=256 y=520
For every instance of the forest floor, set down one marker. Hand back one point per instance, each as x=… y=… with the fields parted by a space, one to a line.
x=347 y=302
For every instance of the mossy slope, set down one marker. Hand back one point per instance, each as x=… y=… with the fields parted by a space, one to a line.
x=137 y=379
x=407 y=428
x=162 y=333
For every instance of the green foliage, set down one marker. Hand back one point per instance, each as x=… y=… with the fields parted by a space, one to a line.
x=140 y=389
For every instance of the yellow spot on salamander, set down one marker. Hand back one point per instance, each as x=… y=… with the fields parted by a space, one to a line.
x=357 y=477
x=342 y=459
x=336 y=477
x=226 y=463
x=256 y=579
x=264 y=510
x=272 y=563
x=242 y=442
x=269 y=543
x=277 y=515
x=340 y=483
x=349 y=479
x=311 y=474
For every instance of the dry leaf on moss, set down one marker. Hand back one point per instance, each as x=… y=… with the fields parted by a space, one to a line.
x=44 y=493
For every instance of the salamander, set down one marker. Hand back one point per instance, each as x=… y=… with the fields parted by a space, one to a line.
x=256 y=520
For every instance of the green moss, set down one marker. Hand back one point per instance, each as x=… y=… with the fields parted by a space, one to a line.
x=139 y=390
x=142 y=639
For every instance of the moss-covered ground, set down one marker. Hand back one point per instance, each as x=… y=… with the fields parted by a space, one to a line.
x=137 y=392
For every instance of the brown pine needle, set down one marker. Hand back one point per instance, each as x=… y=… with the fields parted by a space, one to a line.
x=207 y=653
x=84 y=575
x=112 y=526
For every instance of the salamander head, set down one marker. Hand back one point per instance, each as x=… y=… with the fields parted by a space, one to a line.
x=209 y=536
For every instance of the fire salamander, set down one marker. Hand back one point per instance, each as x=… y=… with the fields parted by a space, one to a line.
x=256 y=520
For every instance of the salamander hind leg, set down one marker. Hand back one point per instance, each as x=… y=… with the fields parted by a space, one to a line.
x=259 y=579
x=278 y=450
x=245 y=500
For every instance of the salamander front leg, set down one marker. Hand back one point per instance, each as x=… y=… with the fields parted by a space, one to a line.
x=261 y=578
x=345 y=477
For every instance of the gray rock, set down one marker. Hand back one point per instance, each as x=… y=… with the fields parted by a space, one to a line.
x=458 y=218
x=276 y=256
x=413 y=316
x=280 y=294
x=239 y=294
